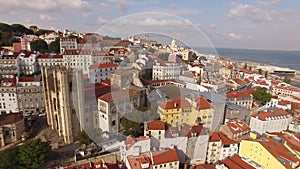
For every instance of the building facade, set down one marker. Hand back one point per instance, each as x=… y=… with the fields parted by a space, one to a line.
x=63 y=100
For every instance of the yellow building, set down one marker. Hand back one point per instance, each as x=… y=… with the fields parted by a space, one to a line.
x=270 y=154
x=202 y=111
x=176 y=112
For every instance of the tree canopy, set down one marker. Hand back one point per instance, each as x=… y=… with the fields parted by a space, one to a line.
x=83 y=138
x=287 y=80
x=32 y=154
x=54 y=47
x=262 y=95
x=39 y=45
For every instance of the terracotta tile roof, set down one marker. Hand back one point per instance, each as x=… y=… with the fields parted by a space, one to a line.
x=27 y=79
x=202 y=103
x=221 y=137
x=284 y=102
x=231 y=165
x=185 y=130
x=278 y=150
x=155 y=125
x=136 y=162
x=238 y=126
x=118 y=95
x=103 y=66
x=203 y=166
x=6 y=119
x=176 y=104
x=236 y=94
x=238 y=81
x=164 y=156
x=43 y=56
x=130 y=141
x=252 y=90
x=285 y=87
x=238 y=160
x=58 y=56
x=275 y=115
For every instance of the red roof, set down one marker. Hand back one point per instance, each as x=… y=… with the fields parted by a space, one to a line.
x=285 y=87
x=238 y=81
x=156 y=125
x=202 y=103
x=236 y=94
x=238 y=160
x=176 y=104
x=252 y=90
x=27 y=79
x=284 y=102
x=164 y=156
x=221 y=137
x=185 y=130
x=43 y=56
x=103 y=66
x=117 y=95
x=231 y=165
x=203 y=166
x=274 y=115
x=237 y=126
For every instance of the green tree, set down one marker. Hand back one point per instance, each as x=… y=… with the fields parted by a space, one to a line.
x=33 y=154
x=9 y=158
x=260 y=71
x=41 y=32
x=39 y=45
x=245 y=66
x=163 y=56
x=131 y=127
x=287 y=80
x=83 y=138
x=266 y=74
x=194 y=56
x=262 y=95
x=54 y=47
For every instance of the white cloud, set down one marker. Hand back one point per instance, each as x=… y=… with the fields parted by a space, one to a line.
x=46 y=18
x=254 y=13
x=268 y=4
x=122 y=5
x=150 y=21
x=234 y=36
x=213 y=26
x=102 y=21
x=43 y=5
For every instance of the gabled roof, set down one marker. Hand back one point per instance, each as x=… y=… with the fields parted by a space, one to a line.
x=202 y=103
x=272 y=115
x=176 y=104
x=237 y=126
x=237 y=94
x=155 y=125
x=164 y=156
x=103 y=66
x=221 y=137
x=185 y=130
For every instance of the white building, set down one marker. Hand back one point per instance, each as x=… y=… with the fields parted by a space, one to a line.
x=100 y=72
x=166 y=70
x=27 y=62
x=220 y=147
x=8 y=97
x=285 y=90
x=67 y=44
x=270 y=121
x=112 y=106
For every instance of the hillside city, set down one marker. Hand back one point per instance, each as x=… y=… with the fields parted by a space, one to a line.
x=83 y=100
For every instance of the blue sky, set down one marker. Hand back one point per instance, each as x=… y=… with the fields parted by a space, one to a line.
x=272 y=24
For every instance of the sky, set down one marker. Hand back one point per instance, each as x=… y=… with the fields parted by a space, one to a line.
x=254 y=24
